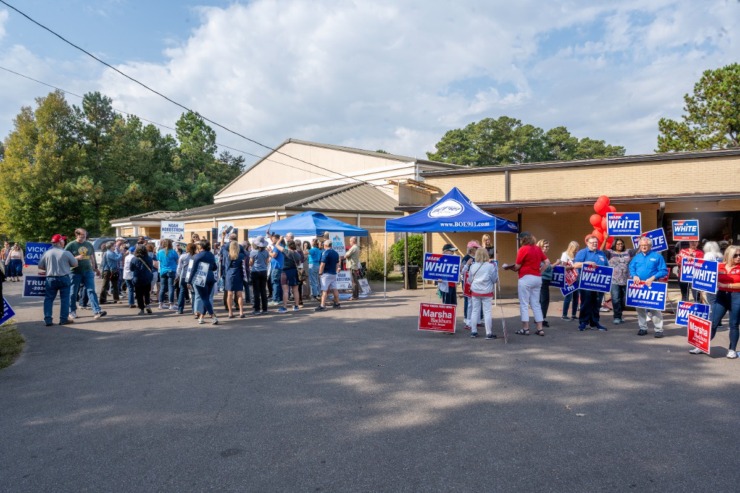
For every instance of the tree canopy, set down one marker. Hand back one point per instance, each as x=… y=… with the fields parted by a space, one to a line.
x=65 y=166
x=494 y=142
x=712 y=115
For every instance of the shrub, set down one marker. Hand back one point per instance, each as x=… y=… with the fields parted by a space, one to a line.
x=416 y=250
x=11 y=344
x=375 y=264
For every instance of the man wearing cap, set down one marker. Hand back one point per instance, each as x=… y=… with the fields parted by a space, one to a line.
x=446 y=288
x=56 y=264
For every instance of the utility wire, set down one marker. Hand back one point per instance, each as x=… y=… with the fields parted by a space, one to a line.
x=180 y=105
x=153 y=122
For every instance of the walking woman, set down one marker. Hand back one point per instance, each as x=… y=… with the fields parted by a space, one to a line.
x=314 y=261
x=567 y=259
x=202 y=278
x=530 y=261
x=546 y=278
x=234 y=278
x=728 y=299
x=484 y=275
x=258 y=260
x=167 y=258
x=14 y=263
x=142 y=269
x=182 y=270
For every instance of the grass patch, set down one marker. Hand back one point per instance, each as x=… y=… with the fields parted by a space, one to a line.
x=11 y=344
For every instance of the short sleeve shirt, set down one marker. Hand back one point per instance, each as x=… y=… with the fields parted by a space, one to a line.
x=86 y=250
x=330 y=259
x=530 y=257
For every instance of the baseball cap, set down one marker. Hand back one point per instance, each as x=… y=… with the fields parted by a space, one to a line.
x=473 y=244
x=450 y=247
x=57 y=238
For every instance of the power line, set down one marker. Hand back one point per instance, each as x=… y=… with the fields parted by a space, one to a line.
x=180 y=105
x=151 y=121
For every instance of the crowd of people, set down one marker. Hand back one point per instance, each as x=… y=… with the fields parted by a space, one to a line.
x=275 y=268
x=640 y=265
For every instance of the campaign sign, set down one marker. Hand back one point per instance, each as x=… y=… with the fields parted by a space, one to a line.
x=173 y=230
x=437 y=317
x=687 y=269
x=699 y=331
x=337 y=243
x=8 y=312
x=686 y=308
x=640 y=295
x=558 y=277
x=686 y=230
x=34 y=286
x=658 y=238
x=623 y=223
x=344 y=280
x=705 y=275
x=569 y=288
x=34 y=252
x=438 y=267
x=596 y=278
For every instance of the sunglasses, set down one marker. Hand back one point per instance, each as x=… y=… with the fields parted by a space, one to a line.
x=736 y=255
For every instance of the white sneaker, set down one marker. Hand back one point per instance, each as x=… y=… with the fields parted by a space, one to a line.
x=214 y=321
x=73 y=315
x=732 y=354
x=696 y=350
x=161 y=306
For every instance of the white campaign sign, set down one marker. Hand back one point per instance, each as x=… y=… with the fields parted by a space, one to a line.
x=337 y=243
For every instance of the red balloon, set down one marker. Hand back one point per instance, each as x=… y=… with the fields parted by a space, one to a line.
x=601 y=207
x=609 y=242
x=612 y=208
x=605 y=199
x=599 y=235
x=595 y=220
x=603 y=224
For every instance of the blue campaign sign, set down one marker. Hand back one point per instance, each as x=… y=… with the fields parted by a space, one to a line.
x=705 y=275
x=658 y=238
x=639 y=295
x=34 y=252
x=686 y=308
x=438 y=267
x=558 y=277
x=687 y=269
x=686 y=230
x=34 y=286
x=8 y=312
x=623 y=223
x=596 y=278
x=569 y=288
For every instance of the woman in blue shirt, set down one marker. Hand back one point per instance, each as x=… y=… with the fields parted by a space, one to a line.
x=167 y=258
x=314 y=260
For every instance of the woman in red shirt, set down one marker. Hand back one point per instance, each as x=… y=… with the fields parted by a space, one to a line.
x=728 y=298
x=530 y=261
x=691 y=252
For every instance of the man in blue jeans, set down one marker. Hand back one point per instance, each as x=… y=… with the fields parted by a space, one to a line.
x=84 y=273
x=57 y=264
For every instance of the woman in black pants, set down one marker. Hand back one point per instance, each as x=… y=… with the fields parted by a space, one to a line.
x=142 y=268
x=258 y=261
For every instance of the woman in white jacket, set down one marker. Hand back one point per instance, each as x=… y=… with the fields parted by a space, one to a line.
x=484 y=275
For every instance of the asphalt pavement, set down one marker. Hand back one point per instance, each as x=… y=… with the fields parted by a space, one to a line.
x=356 y=399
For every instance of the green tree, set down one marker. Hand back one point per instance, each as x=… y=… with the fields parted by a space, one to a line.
x=712 y=115
x=493 y=142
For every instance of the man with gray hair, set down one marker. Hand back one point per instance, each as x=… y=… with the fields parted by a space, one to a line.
x=353 y=264
x=647 y=266
x=328 y=275
x=56 y=264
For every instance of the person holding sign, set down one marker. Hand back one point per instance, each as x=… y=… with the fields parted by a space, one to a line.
x=56 y=264
x=202 y=278
x=691 y=252
x=566 y=259
x=590 y=300
x=728 y=299
x=619 y=259
x=647 y=266
x=483 y=278
x=530 y=261
x=448 y=289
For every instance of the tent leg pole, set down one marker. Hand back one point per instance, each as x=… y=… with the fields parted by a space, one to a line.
x=406 y=260
x=385 y=265
x=495 y=256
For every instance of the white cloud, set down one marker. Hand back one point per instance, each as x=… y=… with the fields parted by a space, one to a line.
x=3 y=18
x=397 y=75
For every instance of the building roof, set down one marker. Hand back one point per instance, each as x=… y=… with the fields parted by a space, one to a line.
x=348 y=198
x=638 y=158
x=147 y=216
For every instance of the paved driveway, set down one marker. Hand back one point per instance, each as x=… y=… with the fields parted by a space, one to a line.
x=357 y=400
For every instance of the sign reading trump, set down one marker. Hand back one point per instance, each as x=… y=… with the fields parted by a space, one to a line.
x=438 y=267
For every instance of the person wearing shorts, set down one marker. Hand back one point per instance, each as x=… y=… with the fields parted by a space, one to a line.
x=289 y=275
x=328 y=275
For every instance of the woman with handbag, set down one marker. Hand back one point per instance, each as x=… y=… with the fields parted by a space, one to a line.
x=142 y=268
x=202 y=278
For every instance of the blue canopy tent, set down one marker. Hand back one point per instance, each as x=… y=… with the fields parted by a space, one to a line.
x=453 y=213
x=307 y=223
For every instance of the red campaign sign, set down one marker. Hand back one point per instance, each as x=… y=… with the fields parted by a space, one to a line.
x=437 y=317
x=466 y=285
x=698 y=332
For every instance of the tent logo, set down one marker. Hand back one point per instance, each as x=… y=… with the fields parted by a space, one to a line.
x=448 y=208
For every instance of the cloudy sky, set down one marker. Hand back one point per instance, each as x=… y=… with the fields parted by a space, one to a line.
x=381 y=74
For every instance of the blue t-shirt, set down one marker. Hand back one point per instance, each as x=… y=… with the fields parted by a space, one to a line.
x=260 y=260
x=314 y=256
x=597 y=256
x=167 y=261
x=276 y=262
x=330 y=259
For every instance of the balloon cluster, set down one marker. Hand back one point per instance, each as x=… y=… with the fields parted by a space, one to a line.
x=598 y=220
